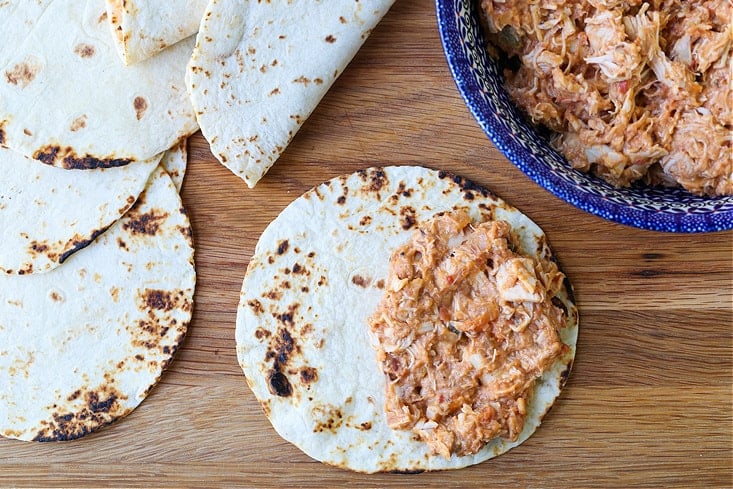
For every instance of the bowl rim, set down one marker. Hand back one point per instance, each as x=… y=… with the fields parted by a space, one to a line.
x=653 y=220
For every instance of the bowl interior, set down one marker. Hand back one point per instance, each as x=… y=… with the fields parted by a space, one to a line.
x=479 y=81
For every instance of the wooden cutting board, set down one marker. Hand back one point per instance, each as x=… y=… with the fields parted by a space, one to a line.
x=648 y=403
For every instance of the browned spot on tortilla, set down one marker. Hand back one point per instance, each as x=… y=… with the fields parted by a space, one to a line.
x=360 y=281
x=55 y=297
x=67 y=158
x=158 y=299
x=308 y=375
x=77 y=243
x=275 y=91
x=101 y=407
x=302 y=79
x=299 y=269
x=408 y=217
x=282 y=247
x=469 y=188
x=84 y=50
x=365 y=426
x=380 y=284
x=332 y=420
x=403 y=190
x=278 y=384
x=27 y=132
x=565 y=374
x=78 y=123
x=280 y=351
x=374 y=177
x=306 y=329
x=121 y=244
x=262 y=333
x=23 y=73
x=102 y=17
x=256 y=306
x=141 y=105
x=403 y=472
x=341 y=200
x=343 y=20
x=147 y=223
x=38 y=247
x=273 y=295
x=330 y=39
x=287 y=318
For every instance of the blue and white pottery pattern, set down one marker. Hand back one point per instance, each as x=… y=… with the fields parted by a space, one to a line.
x=480 y=83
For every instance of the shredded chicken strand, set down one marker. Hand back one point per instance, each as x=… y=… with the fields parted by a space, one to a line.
x=464 y=329
x=634 y=90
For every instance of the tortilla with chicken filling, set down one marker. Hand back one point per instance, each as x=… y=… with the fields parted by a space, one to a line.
x=317 y=275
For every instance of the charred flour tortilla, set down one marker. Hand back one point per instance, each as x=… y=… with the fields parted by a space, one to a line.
x=82 y=345
x=317 y=275
x=143 y=28
x=48 y=213
x=260 y=68
x=174 y=162
x=67 y=99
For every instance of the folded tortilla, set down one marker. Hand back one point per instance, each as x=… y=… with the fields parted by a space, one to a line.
x=143 y=28
x=48 y=213
x=174 y=162
x=67 y=99
x=83 y=345
x=315 y=278
x=260 y=68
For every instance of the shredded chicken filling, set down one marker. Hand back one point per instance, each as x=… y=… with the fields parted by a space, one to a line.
x=464 y=329
x=634 y=90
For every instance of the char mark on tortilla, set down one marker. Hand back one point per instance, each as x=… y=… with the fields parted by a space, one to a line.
x=66 y=158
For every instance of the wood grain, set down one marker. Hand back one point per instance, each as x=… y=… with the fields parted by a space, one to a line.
x=648 y=403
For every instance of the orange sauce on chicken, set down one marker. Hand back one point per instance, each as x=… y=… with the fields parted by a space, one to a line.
x=466 y=326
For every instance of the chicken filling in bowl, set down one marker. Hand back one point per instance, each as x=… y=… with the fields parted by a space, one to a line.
x=465 y=328
x=634 y=90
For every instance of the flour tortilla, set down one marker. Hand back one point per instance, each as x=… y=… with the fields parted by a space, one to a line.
x=68 y=100
x=143 y=28
x=174 y=162
x=83 y=345
x=48 y=213
x=260 y=68
x=313 y=281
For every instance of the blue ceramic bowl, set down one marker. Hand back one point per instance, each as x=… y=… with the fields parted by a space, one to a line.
x=480 y=83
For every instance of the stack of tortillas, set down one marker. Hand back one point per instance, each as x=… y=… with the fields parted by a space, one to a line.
x=97 y=99
x=96 y=268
